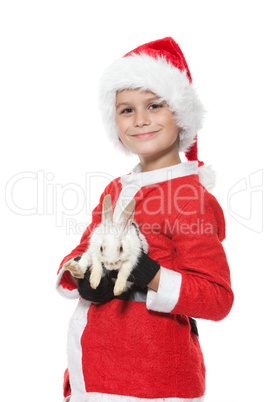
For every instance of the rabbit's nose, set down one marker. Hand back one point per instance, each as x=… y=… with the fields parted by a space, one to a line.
x=110 y=265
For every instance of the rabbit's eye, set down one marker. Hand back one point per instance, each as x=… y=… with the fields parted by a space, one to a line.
x=121 y=249
x=101 y=249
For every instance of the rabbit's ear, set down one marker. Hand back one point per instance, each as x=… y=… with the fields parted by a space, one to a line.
x=126 y=217
x=107 y=209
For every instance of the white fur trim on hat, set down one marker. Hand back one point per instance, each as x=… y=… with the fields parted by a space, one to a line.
x=160 y=77
x=207 y=177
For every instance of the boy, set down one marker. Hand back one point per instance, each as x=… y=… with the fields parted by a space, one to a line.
x=144 y=345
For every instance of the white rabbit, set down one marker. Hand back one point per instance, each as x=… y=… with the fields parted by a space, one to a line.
x=114 y=245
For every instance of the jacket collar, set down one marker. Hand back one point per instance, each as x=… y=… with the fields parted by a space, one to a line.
x=141 y=179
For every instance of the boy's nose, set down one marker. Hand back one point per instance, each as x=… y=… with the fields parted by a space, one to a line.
x=141 y=119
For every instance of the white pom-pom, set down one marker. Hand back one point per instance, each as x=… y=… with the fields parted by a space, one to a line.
x=207 y=177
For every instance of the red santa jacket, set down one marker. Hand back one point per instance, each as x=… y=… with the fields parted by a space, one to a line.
x=137 y=351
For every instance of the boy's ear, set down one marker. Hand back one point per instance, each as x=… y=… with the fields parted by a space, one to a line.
x=107 y=210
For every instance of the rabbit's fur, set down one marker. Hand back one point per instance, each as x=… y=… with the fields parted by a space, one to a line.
x=113 y=245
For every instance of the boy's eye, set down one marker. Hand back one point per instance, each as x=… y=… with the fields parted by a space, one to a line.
x=127 y=110
x=154 y=106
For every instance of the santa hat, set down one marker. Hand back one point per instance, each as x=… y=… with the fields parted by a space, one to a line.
x=159 y=67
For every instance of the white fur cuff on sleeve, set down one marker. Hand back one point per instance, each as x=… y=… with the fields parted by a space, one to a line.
x=69 y=294
x=167 y=296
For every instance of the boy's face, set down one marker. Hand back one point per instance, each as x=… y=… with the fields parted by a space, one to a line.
x=145 y=125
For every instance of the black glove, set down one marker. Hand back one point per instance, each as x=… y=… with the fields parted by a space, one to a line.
x=103 y=293
x=144 y=271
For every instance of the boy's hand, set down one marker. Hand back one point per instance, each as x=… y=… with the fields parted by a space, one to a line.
x=102 y=294
x=144 y=271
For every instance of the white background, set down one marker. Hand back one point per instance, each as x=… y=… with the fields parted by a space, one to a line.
x=56 y=161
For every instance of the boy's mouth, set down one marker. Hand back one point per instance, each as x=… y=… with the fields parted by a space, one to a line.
x=142 y=136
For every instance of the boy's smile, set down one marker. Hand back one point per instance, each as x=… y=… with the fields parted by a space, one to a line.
x=147 y=127
x=145 y=135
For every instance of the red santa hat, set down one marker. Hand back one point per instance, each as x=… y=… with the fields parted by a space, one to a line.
x=159 y=67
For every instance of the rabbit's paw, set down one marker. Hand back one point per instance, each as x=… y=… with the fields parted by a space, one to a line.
x=94 y=279
x=74 y=268
x=120 y=286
